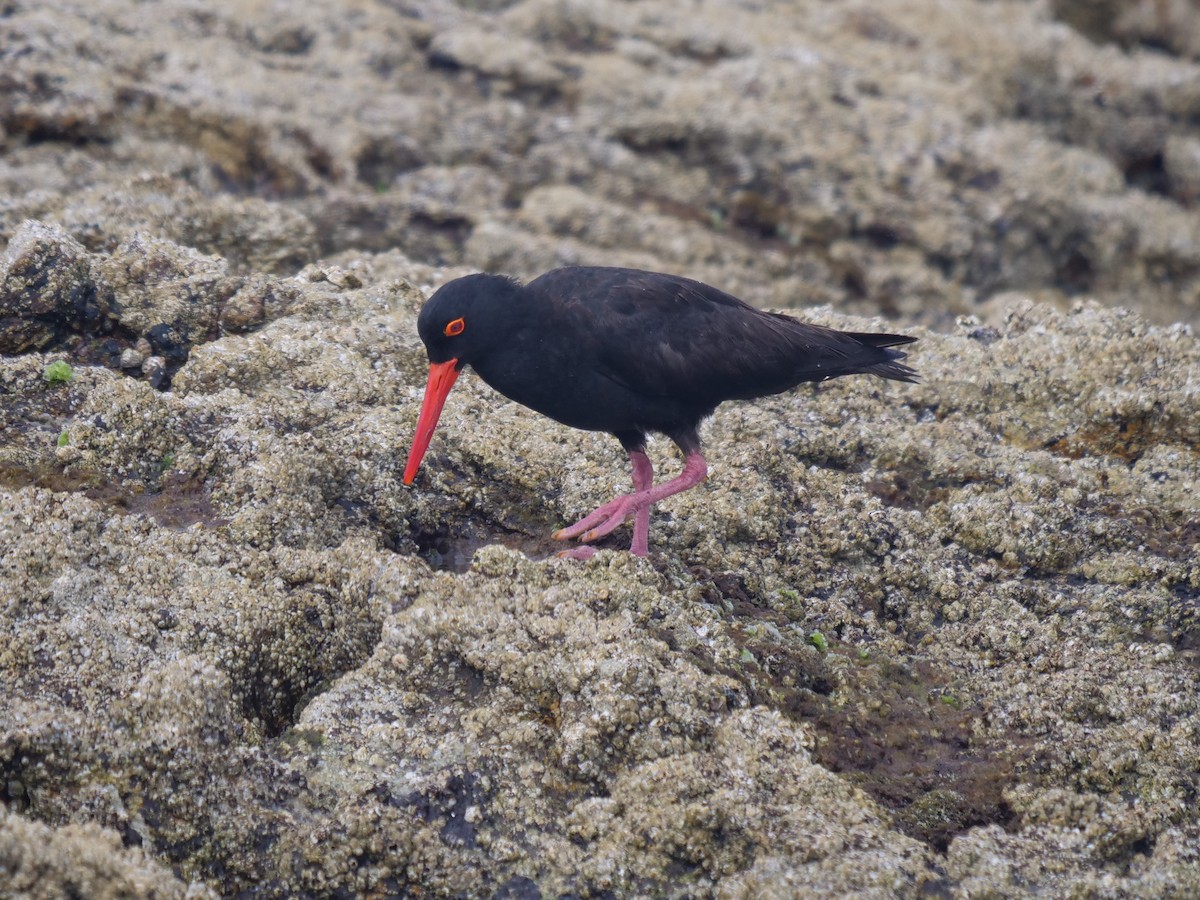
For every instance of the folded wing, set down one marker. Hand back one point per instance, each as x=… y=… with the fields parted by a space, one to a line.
x=672 y=336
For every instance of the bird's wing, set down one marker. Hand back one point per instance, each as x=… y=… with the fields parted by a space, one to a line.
x=665 y=335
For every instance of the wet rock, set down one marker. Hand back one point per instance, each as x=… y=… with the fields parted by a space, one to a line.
x=1181 y=159
x=22 y=335
x=239 y=655
x=52 y=92
x=46 y=288
x=170 y=294
x=780 y=134
x=44 y=272
x=516 y=64
x=1172 y=25
x=82 y=860
x=998 y=561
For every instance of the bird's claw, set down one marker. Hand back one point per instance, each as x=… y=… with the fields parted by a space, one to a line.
x=597 y=533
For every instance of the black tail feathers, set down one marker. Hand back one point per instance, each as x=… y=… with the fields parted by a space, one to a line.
x=892 y=368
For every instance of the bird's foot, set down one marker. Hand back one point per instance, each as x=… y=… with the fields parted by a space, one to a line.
x=633 y=506
x=604 y=520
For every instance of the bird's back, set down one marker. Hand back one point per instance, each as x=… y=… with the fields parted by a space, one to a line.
x=672 y=337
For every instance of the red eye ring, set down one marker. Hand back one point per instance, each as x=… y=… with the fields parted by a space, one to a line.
x=455 y=327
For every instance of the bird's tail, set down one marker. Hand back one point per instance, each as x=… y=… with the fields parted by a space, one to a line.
x=891 y=368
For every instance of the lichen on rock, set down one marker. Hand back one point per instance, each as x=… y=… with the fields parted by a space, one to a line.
x=240 y=656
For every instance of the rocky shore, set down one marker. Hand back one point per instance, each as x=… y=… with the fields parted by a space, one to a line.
x=908 y=640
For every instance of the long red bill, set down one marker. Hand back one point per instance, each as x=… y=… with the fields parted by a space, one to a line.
x=441 y=379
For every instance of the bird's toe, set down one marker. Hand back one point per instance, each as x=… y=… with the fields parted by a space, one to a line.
x=601 y=521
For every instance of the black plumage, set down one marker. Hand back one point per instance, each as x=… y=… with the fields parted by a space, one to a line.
x=629 y=352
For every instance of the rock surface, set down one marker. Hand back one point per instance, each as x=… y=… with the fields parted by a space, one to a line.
x=907 y=640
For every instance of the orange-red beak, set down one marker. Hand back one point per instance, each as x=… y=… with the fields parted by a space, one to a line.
x=441 y=379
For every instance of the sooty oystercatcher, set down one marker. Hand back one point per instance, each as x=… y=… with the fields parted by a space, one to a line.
x=627 y=352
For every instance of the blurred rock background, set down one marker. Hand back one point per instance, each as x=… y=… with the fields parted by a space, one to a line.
x=918 y=159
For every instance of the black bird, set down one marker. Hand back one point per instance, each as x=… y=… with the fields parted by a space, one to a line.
x=628 y=352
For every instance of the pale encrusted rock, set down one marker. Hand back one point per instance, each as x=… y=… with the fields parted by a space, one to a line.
x=930 y=639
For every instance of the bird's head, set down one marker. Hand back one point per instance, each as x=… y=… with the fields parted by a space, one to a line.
x=466 y=317
x=460 y=323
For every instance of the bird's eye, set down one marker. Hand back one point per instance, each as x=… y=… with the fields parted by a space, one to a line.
x=455 y=327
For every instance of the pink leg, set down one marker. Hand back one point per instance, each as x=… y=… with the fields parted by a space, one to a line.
x=643 y=480
x=612 y=514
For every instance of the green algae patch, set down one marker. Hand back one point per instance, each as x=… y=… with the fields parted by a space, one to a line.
x=58 y=372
